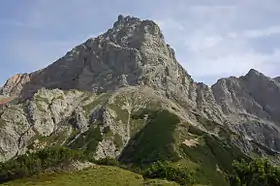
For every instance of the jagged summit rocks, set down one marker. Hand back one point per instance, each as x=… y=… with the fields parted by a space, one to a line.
x=131 y=65
x=133 y=52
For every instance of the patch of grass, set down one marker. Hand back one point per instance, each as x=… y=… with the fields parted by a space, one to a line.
x=39 y=99
x=107 y=132
x=211 y=126
x=155 y=141
x=96 y=176
x=122 y=114
x=100 y=99
x=136 y=125
x=118 y=141
x=56 y=138
x=88 y=141
x=211 y=155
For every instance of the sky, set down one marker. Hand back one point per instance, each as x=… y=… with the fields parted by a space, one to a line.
x=211 y=39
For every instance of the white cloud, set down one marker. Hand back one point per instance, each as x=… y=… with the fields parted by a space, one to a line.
x=215 y=41
x=262 y=32
x=211 y=38
x=198 y=43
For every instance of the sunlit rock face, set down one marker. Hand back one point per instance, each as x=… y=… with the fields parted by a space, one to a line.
x=99 y=84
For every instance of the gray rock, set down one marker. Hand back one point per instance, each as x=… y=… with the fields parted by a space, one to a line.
x=103 y=81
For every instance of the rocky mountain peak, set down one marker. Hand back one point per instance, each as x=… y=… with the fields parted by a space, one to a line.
x=133 y=32
x=133 y=52
x=126 y=20
x=128 y=68
x=253 y=73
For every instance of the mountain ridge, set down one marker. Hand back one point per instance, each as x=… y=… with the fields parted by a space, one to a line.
x=104 y=95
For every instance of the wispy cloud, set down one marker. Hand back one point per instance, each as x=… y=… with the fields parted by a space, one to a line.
x=262 y=32
x=212 y=39
x=219 y=40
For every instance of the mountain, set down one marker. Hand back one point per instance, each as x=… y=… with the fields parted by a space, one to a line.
x=277 y=79
x=123 y=94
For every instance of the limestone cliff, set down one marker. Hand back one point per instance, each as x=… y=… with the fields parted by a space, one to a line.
x=86 y=99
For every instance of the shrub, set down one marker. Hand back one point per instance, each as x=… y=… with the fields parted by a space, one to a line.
x=32 y=163
x=164 y=170
x=107 y=161
x=258 y=172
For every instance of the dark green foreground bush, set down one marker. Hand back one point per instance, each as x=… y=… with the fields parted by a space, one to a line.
x=32 y=163
x=257 y=172
x=164 y=170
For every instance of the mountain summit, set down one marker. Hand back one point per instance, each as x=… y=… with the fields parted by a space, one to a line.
x=133 y=52
x=123 y=94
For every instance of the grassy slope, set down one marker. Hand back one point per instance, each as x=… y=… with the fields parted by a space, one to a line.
x=97 y=176
x=154 y=142
x=161 y=139
x=210 y=155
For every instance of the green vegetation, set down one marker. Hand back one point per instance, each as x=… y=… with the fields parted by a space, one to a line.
x=165 y=170
x=39 y=98
x=214 y=127
x=55 y=139
x=213 y=157
x=122 y=114
x=155 y=141
x=30 y=164
x=161 y=147
x=118 y=141
x=258 y=172
x=88 y=141
x=107 y=161
x=162 y=138
x=96 y=176
x=99 y=100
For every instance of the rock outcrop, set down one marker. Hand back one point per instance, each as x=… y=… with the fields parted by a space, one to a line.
x=97 y=86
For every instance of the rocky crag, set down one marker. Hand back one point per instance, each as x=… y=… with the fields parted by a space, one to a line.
x=93 y=97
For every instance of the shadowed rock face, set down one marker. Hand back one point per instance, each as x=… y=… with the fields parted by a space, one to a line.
x=129 y=56
x=277 y=79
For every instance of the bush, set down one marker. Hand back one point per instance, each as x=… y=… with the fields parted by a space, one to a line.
x=33 y=163
x=107 y=161
x=258 y=172
x=164 y=170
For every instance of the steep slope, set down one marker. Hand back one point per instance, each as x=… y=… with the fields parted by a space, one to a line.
x=131 y=53
x=124 y=95
x=98 y=123
x=251 y=104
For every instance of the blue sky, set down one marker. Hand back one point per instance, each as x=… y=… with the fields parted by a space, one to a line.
x=212 y=39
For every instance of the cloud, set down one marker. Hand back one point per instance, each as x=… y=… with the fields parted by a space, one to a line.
x=262 y=32
x=212 y=39
x=220 y=40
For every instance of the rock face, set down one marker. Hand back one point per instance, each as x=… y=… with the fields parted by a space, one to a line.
x=14 y=85
x=251 y=104
x=277 y=79
x=97 y=86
